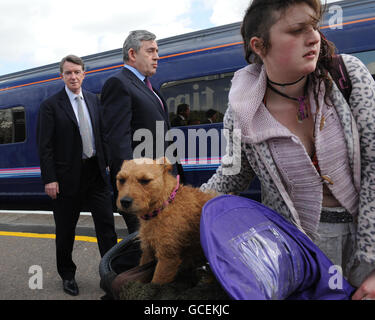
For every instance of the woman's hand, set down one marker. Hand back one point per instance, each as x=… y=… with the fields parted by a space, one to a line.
x=367 y=289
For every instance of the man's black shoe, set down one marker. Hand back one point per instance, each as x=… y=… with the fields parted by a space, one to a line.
x=71 y=287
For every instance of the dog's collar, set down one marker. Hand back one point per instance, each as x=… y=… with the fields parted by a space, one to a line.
x=171 y=197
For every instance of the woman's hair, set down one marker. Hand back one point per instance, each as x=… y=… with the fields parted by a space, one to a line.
x=263 y=14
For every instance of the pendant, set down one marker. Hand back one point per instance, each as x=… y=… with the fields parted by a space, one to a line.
x=302 y=110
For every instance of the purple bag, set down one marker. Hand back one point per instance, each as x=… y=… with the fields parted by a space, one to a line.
x=258 y=255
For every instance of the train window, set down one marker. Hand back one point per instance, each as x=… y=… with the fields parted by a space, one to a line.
x=207 y=98
x=368 y=58
x=12 y=125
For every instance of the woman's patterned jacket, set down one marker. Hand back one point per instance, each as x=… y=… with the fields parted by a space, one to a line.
x=255 y=157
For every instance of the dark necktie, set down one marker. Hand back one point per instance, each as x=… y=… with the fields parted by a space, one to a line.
x=148 y=84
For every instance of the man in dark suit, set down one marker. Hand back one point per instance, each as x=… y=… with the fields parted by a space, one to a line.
x=130 y=103
x=73 y=160
x=182 y=117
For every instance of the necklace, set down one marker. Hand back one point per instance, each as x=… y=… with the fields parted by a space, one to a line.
x=284 y=84
x=302 y=112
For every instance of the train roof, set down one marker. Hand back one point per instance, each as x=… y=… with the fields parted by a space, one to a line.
x=167 y=46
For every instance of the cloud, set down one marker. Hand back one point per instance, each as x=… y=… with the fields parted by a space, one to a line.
x=39 y=32
x=225 y=11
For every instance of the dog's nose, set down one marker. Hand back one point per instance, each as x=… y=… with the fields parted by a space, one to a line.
x=126 y=202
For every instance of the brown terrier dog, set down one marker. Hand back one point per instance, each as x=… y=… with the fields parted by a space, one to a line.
x=169 y=215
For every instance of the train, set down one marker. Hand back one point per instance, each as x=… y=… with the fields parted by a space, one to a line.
x=194 y=68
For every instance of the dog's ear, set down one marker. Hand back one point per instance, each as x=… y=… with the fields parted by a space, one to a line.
x=143 y=161
x=165 y=162
x=124 y=164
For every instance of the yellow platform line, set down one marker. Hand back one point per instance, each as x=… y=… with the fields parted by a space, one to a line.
x=43 y=236
x=46 y=236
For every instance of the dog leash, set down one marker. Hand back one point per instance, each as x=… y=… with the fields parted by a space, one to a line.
x=171 y=197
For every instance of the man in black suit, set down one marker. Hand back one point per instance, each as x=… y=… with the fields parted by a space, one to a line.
x=130 y=103
x=73 y=160
x=182 y=117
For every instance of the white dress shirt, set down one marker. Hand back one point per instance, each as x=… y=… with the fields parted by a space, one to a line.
x=72 y=97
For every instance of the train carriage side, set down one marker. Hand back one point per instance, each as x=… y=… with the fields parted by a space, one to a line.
x=195 y=68
x=20 y=179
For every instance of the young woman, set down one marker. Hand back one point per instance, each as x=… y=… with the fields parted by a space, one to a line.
x=311 y=150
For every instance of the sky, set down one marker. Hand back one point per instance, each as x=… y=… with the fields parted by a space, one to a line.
x=39 y=32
